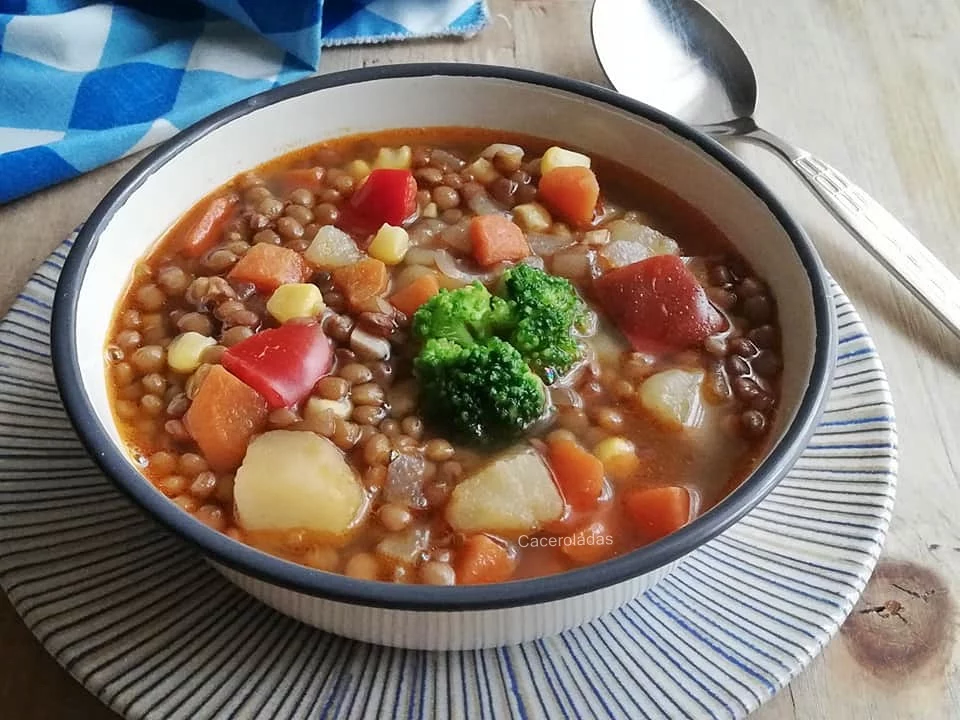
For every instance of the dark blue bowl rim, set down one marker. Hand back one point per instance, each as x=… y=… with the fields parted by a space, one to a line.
x=221 y=549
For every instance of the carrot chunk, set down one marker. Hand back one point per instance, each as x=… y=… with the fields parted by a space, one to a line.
x=361 y=281
x=496 y=239
x=579 y=474
x=657 y=512
x=205 y=231
x=588 y=545
x=571 y=192
x=269 y=266
x=225 y=414
x=483 y=560
x=410 y=298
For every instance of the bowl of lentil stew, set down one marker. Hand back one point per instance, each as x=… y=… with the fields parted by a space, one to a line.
x=286 y=380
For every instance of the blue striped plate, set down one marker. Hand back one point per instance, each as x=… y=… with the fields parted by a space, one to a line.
x=154 y=632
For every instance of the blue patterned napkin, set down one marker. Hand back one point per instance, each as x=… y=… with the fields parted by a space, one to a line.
x=82 y=84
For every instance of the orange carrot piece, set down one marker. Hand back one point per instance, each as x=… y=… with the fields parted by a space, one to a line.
x=483 y=560
x=309 y=178
x=496 y=239
x=571 y=192
x=410 y=298
x=361 y=281
x=657 y=512
x=579 y=474
x=205 y=231
x=589 y=544
x=225 y=414
x=269 y=266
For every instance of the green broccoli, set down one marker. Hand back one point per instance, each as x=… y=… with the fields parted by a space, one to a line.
x=545 y=310
x=484 y=391
x=466 y=315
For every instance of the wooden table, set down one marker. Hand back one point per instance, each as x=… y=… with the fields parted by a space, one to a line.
x=875 y=89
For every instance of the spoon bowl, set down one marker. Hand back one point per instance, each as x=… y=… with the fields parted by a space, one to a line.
x=677 y=56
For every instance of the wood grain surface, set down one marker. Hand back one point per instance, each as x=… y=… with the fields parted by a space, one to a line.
x=873 y=88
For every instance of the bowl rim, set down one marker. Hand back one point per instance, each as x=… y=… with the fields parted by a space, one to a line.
x=393 y=596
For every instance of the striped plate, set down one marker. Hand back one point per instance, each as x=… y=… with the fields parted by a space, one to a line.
x=145 y=624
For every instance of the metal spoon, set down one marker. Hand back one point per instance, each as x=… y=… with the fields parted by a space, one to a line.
x=677 y=56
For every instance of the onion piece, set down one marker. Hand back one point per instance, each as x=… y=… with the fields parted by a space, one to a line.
x=543 y=244
x=534 y=261
x=404 y=483
x=458 y=236
x=446 y=161
x=576 y=263
x=448 y=265
x=425 y=230
x=479 y=202
x=420 y=256
x=565 y=396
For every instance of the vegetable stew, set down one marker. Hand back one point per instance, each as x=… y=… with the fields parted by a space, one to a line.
x=444 y=356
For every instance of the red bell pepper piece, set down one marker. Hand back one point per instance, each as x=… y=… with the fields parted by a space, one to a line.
x=658 y=304
x=282 y=364
x=388 y=196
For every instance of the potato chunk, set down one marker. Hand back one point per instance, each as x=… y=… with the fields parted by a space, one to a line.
x=293 y=479
x=513 y=494
x=673 y=397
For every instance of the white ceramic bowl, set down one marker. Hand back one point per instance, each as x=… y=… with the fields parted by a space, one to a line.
x=170 y=180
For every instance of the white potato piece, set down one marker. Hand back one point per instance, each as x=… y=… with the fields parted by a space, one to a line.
x=513 y=494
x=653 y=241
x=293 y=479
x=556 y=157
x=673 y=397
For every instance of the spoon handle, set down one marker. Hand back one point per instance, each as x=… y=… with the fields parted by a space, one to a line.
x=877 y=230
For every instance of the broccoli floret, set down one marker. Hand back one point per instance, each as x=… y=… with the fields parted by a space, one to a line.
x=466 y=315
x=483 y=391
x=545 y=309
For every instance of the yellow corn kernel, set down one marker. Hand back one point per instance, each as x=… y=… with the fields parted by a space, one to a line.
x=532 y=217
x=295 y=300
x=483 y=171
x=390 y=244
x=556 y=157
x=317 y=406
x=358 y=169
x=619 y=457
x=184 y=352
x=394 y=158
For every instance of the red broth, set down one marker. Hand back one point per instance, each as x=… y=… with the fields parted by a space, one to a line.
x=266 y=362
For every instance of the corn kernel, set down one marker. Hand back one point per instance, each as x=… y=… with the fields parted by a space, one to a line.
x=390 y=244
x=394 y=158
x=295 y=300
x=358 y=169
x=430 y=211
x=184 y=352
x=556 y=157
x=532 y=217
x=316 y=406
x=483 y=171
x=618 y=456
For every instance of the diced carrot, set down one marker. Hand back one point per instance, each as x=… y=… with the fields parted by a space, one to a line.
x=409 y=299
x=361 y=281
x=579 y=474
x=483 y=560
x=225 y=414
x=657 y=512
x=589 y=544
x=496 y=239
x=571 y=192
x=206 y=229
x=309 y=178
x=269 y=266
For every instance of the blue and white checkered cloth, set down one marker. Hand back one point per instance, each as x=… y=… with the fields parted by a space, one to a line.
x=82 y=84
